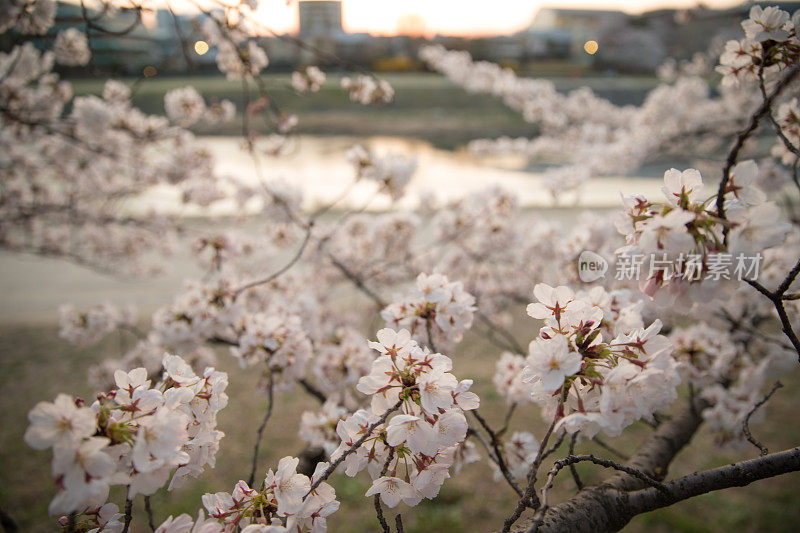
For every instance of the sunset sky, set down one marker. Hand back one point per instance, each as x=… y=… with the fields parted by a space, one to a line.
x=455 y=17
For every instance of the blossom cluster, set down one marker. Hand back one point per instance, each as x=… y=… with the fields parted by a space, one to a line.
x=136 y=435
x=238 y=56
x=368 y=90
x=89 y=148
x=278 y=340
x=184 y=107
x=574 y=145
x=594 y=366
x=436 y=307
x=770 y=45
x=88 y=327
x=309 y=80
x=409 y=456
x=283 y=503
x=688 y=225
x=392 y=171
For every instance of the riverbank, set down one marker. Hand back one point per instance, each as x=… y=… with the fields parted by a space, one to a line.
x=426 y=105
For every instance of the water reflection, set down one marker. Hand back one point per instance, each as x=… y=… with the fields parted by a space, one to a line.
x=318 y=166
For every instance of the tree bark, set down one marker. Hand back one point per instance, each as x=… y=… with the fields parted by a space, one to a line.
x=610 y=505
x=597 y=508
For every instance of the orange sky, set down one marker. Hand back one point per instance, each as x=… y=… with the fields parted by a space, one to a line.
x=455 y=17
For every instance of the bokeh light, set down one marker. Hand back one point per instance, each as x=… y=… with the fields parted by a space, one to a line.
x=591 y=47
x=201 y=47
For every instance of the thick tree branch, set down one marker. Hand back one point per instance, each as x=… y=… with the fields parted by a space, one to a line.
x=734 y=475
x=597 y=508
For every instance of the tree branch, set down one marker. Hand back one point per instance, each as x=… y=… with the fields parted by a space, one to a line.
x=734 y=475
x=746 y=426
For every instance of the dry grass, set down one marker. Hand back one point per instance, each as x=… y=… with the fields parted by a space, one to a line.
x=36 y=365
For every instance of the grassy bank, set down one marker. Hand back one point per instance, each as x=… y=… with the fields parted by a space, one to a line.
x=36 y=365
x=426 y=105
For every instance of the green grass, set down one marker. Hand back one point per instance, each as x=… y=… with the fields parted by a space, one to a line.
x=426 y=105
x=36 y=365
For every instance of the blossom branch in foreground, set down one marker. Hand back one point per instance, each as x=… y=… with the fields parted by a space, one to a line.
x=334 y=464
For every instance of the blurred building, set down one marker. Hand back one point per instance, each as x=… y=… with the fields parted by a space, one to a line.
x=320 y=18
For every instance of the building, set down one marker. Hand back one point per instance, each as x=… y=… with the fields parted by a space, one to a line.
x=320 y=18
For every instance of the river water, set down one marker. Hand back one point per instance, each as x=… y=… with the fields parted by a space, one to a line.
x=318 y=166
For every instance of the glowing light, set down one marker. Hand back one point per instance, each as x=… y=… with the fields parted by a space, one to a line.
x=201 y=47
x=149 y=71
x=591 y=47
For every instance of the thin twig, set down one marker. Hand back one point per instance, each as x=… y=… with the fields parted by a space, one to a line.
x=398 y=522
x=501 y=464
x=354 y=447
x=529 y=498
x=746 y=425
x=610 y=448
x=745 y=134
x=312 y=390
x=280 y=271
x=777 y=301
x=507 y=419
x=377 y=497
x=775 y=126
x=260 y=433
x=512 y=341
x=431 y=345
x=556 y=445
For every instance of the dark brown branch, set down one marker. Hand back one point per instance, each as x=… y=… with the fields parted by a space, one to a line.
x=398 y=522
x=128 y=513
x=312 y=390
x=741 y=138
x=572 y=469
x=593 y=509
x=149 y=511
x=377 y=497
x=498 y=453
x=605 y=508
x=776 y=297
x=746 y=425
x=570 y=461
x=529 y=498
x=775 y=126
x=260 y=432
x=734 y=475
